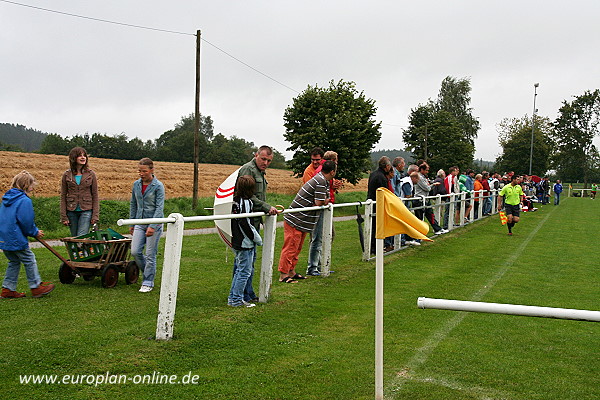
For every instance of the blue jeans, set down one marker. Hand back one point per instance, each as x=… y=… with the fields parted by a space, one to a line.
x=556 y=198
x=316 y=245
x=243 y=272
x=79 y=222
x=487 y=205
x=146 y=260
x=15 y=258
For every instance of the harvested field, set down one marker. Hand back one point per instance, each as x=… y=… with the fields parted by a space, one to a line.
x=115 y=177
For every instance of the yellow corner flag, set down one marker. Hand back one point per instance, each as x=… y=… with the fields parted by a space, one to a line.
x=394 y=218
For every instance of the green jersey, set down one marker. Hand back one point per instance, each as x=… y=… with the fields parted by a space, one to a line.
x=512 y=194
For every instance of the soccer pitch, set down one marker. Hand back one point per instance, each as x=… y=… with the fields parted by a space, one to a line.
x=315 y=339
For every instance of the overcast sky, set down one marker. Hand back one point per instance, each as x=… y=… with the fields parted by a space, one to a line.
x=70 y=75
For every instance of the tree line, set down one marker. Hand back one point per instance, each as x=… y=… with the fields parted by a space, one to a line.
x=175 y=145
x=15 y=137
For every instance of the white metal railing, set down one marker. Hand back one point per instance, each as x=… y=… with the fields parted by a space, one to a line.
x=581 y=191
x=437 y=203
x=174 y=240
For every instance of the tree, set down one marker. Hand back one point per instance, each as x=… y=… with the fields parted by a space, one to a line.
x=454 y=97
x=10 y=147
x=178 y=144
x=55 y=144
x=337 y=118
x=574 y=132
x=416 y=136
x=514 y=135
x=436 y=136
x=443 y=132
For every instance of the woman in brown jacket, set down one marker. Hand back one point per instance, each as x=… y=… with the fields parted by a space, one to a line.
x=79 y=204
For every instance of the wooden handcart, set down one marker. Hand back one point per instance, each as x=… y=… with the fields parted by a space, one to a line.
x=102 y=253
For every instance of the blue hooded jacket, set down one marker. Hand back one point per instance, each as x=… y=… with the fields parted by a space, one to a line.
x=16 y=221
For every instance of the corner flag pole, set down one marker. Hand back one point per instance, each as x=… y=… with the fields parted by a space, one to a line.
x=379 y=319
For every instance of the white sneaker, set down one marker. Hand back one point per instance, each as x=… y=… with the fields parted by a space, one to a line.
x=440 y=232
x=146 y=289
x=413 y=243
x=248 y=304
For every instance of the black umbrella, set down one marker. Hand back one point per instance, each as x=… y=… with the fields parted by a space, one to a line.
x=359 y=221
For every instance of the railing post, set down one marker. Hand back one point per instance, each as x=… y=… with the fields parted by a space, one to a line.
x=461 y=213
x=170 y=279
x=268 y=252
x=493 y=194
x=437 y=210
x=472 y=202
x=481 y=201
x=452 y=212
x=367 y=228
x=327 y=239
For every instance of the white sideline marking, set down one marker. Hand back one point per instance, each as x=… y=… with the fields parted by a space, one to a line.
x=476 y=391
x=422 y=354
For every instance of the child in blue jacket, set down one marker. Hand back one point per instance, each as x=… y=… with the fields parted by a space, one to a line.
x=17 y=218
x=244 y=240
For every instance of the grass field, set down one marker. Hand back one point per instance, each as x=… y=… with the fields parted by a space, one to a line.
x=315 y=339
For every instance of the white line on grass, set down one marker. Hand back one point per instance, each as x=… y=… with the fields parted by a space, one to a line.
x=476 y=391
x=422 y=354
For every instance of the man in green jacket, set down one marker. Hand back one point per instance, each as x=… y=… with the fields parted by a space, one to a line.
x=256 y=168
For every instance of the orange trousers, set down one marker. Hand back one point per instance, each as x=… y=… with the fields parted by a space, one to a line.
x=293 y=239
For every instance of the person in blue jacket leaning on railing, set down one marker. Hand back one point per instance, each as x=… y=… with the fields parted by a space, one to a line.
x=147 y=201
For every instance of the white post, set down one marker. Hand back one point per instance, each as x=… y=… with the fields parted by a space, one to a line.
x=481 y=200
x=461 y=214
x=367 y=228
x=438 y=209
x=493 y=194
x=472 y=202
x=327 y=239
x=268 y=252
x=170 y=279
x=452 y=212
x=510 y=309
x=379 y=320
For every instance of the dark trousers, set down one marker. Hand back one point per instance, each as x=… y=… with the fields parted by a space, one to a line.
x=429 y=215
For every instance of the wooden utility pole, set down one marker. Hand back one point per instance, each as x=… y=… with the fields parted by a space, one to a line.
x=196 y=123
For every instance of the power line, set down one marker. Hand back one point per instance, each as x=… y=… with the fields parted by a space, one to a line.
x=152 y=29
x=96 y=19
x=247 y=65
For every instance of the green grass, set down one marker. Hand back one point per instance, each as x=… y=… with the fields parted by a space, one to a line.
x=315 y=339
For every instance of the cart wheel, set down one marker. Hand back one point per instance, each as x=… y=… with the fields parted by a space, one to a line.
x=88 y=277
x=132 y=272
x=110 y=276
x=66 y=274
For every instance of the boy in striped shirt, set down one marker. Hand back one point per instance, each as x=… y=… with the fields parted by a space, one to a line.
x=296 y=225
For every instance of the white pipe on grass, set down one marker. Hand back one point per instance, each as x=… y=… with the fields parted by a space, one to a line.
x=510 y=309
